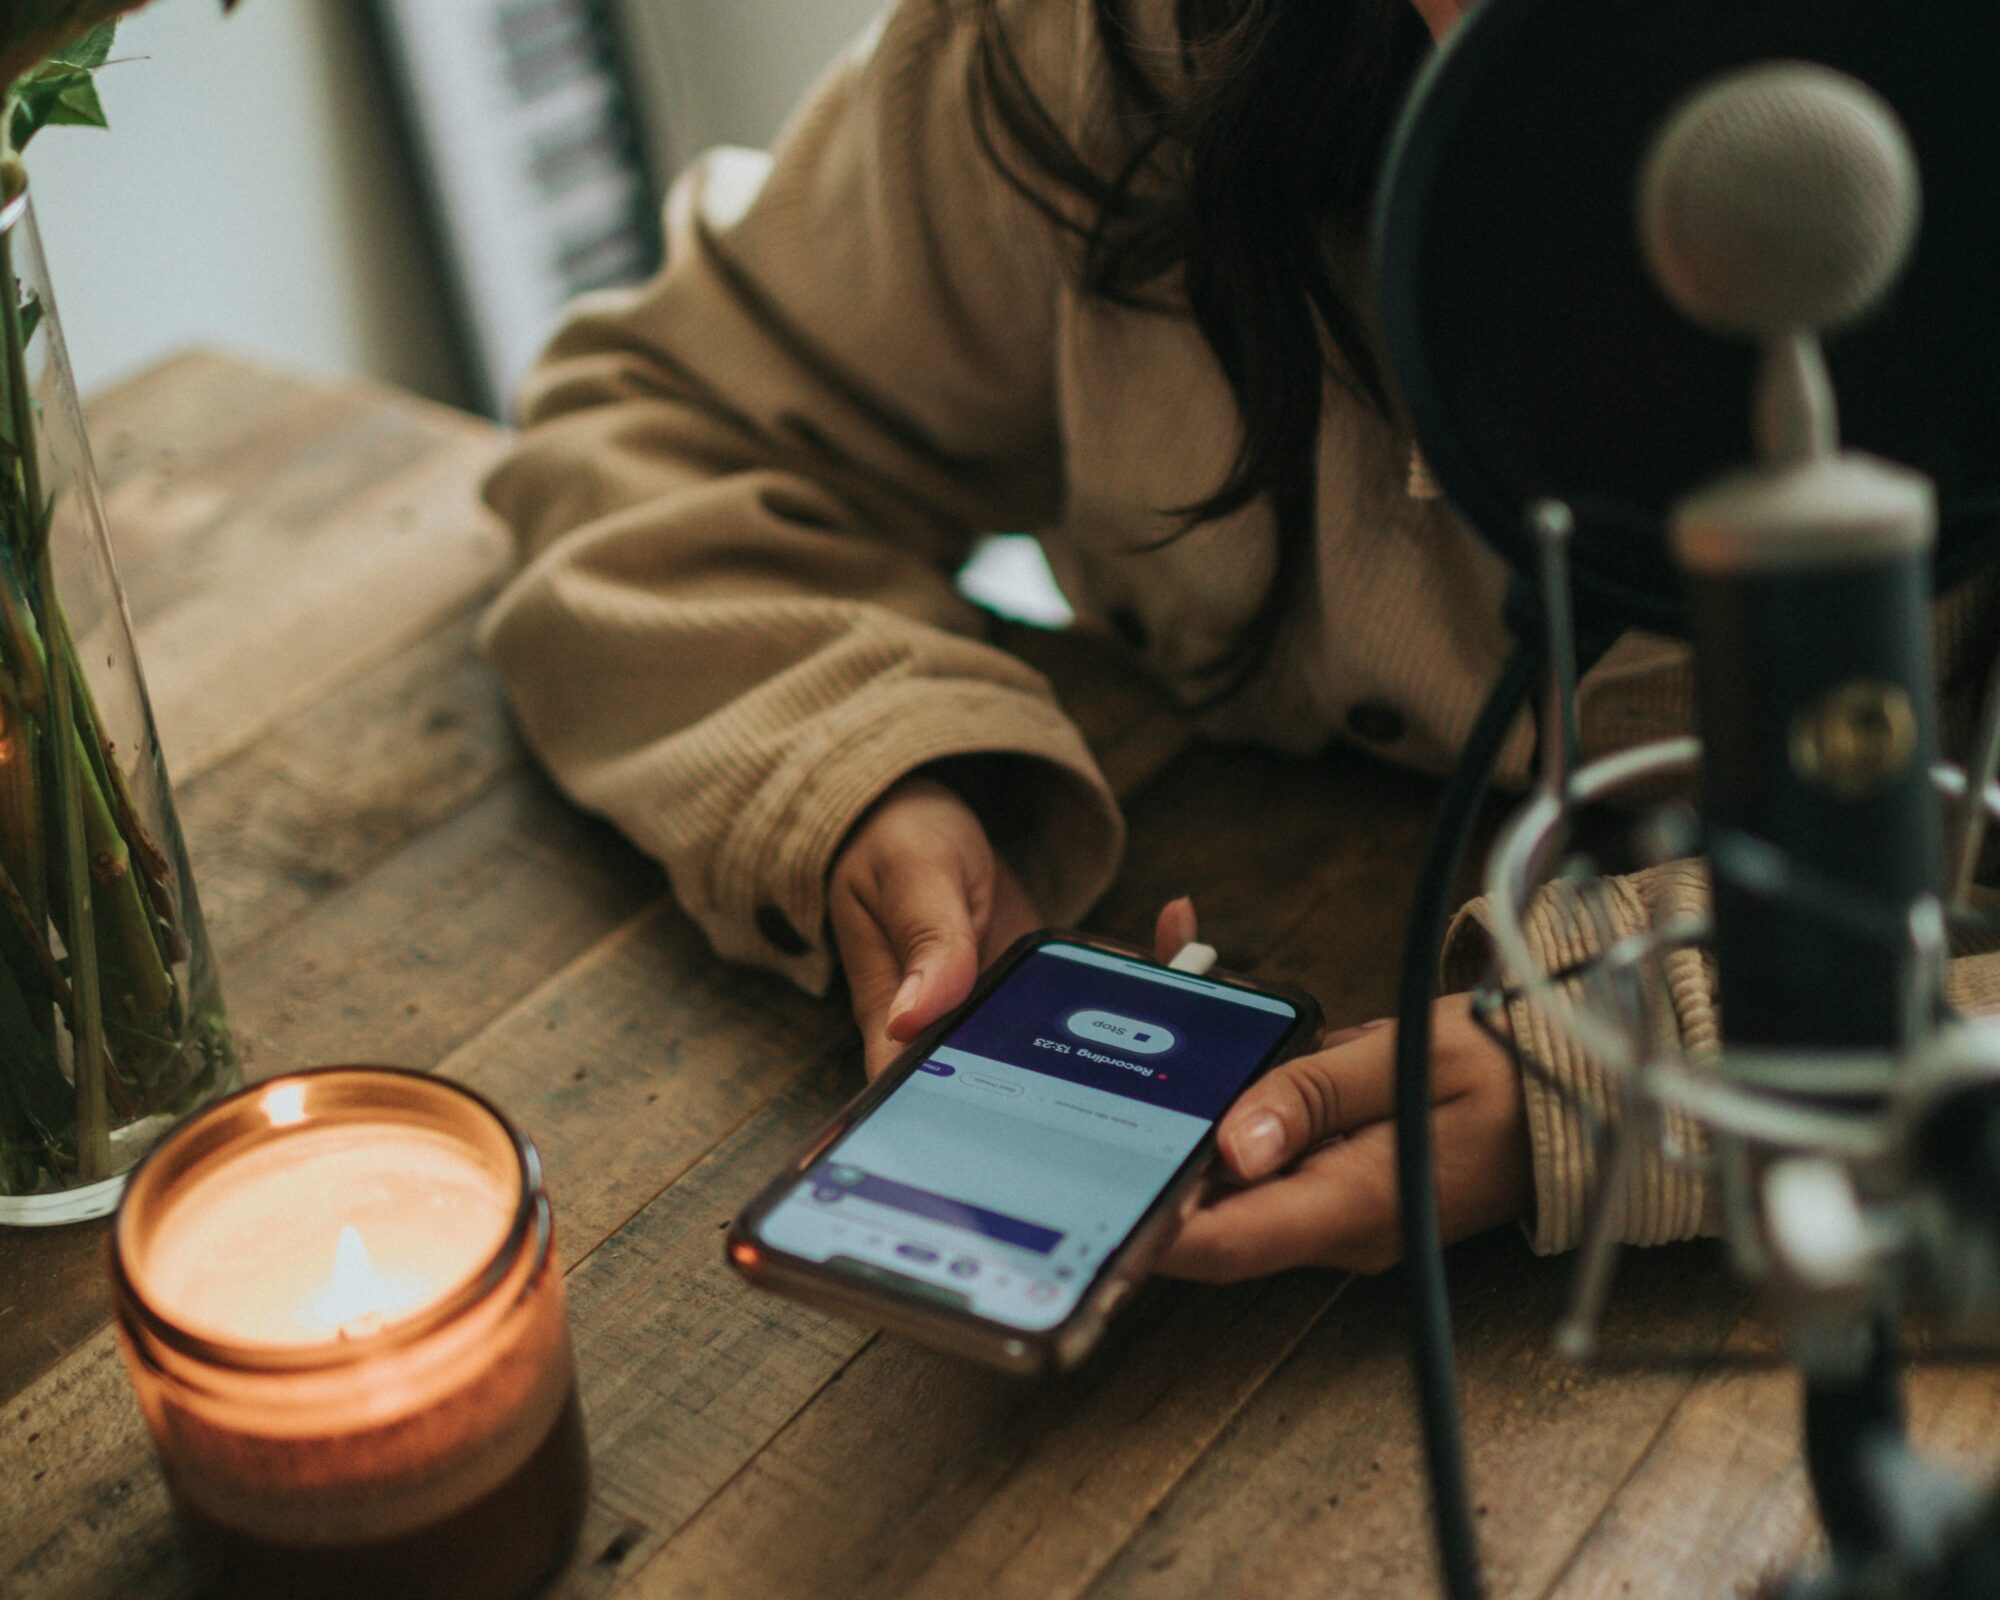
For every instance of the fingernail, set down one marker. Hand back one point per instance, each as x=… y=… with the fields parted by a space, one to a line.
x=906 y=996
x=1258 y=1145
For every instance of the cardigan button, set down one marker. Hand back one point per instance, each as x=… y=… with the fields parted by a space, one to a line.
x=1376 y=721
x=779 y=933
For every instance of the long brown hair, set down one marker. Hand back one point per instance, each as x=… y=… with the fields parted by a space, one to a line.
x=1274 y=135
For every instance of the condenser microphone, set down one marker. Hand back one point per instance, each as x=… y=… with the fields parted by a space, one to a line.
x=1778 y=205
x=1622 y=251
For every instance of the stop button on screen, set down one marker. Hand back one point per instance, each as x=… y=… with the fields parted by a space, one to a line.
x=1121 y=1033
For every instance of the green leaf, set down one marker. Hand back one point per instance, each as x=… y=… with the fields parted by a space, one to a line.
x=79 y=108
x=60 y=91
x=92 y=49
x=54 y=93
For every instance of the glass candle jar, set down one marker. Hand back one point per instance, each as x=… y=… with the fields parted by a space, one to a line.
x=338 y=1299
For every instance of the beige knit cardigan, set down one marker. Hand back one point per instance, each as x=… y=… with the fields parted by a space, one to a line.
x=743 y=489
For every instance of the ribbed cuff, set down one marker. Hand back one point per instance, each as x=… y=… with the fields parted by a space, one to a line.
x=1573 y=1096
x=1065 y=834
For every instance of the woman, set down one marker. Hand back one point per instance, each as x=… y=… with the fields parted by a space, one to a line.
x=1091 y=268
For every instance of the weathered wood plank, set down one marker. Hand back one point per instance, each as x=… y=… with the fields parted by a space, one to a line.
x=328 y=794
x=1257 y=840
x=1321 y=1474
x=232 y=661
x=405 y=966
x=421 y=955
x=89 y=1516
x=194 y=412
x=977 y=1485
x=413 y=897
x=281 y=535
x=686 y=1373
x=52 y=1298
x=185 y=445
x=749 y=1362
x=627 y=1067
x=1721 y=1498
x=319 y=801
x=1721 y=1477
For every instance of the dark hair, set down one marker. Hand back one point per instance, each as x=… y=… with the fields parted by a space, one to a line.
x=1237 y=174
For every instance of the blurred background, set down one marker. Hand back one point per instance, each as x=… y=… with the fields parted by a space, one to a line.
x=405 y=189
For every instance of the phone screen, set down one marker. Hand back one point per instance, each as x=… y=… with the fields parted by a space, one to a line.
x=1003 y=1172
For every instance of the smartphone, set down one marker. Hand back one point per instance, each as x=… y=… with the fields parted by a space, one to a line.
x=1007 y=1181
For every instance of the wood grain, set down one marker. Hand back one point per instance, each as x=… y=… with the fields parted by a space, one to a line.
x=628 y=1064
x=504 y=896
x=1721 y=1498
x=340 y=525
x=1321 y=1473
x=309 y=809
x=421 y=955
x=387 y=880
x=978 y=1485
x=353 y=775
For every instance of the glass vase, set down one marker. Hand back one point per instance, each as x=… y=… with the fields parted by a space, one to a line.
x=111 y=1021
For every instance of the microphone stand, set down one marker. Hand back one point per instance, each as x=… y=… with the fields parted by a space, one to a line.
x=1851 y=1124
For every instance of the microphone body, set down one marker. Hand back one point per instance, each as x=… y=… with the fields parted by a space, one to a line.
x=1777 y=203
x=1809 y=594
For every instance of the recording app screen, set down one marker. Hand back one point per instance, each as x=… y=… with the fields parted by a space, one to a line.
x=1003 y=1172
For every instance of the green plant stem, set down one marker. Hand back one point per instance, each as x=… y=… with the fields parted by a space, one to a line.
x=24 y=650
x=90 y=1058
x=155 y=871
x=30 y=928
x=93 y=1122
x=21 y=797
x=111 y=870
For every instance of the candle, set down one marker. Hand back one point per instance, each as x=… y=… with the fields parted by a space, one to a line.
x=337 y=1296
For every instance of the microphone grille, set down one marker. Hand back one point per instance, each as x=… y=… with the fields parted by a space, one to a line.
x=1780 y=199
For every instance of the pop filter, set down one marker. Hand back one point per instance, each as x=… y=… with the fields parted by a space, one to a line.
x=1536 y=353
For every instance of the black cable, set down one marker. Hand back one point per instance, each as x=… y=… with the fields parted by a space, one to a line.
x=1416 y=1181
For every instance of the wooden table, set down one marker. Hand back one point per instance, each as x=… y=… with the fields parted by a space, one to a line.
x=388 y=879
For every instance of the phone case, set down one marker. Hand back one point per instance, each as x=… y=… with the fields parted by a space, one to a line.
x=903 y=1311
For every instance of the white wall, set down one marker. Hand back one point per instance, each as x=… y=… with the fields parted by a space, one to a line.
x=727 y=71
x=249 y=193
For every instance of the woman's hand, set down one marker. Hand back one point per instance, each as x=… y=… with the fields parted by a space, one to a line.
x=1314 y=1144
x=920 y=902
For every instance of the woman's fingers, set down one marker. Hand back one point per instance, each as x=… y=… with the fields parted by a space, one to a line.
x=1307 y=1101
x=932 y=927
x=1334 y=1204
x=911 y=898
x=873 y=975
x=1337 y=1208
x=1175 y=927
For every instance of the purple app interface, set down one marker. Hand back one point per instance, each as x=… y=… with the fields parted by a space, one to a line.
x=1000 y=1175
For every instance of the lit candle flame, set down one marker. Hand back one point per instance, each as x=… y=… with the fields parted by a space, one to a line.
x=358 y=1298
